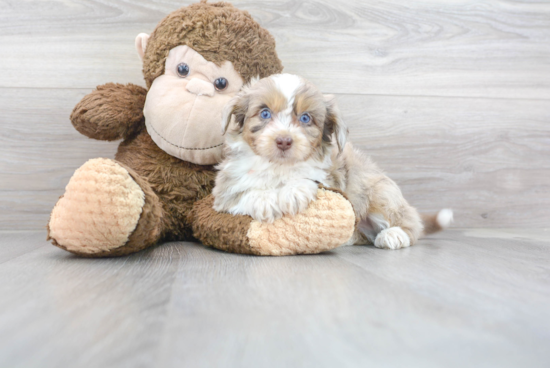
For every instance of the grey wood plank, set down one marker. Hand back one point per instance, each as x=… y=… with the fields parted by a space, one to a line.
x=62 y=311
x=405 y=312
x=485 y=158
x=474 y=297
x=398 y=47
x=16 y=243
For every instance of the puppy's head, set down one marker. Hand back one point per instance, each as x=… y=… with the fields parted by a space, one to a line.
x=285 y=119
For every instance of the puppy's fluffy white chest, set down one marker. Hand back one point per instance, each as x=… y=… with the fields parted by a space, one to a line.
x=248 y=184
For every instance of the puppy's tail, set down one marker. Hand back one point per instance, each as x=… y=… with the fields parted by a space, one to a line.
x=439 y=221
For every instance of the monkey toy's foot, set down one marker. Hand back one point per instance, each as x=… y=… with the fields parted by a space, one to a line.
x=107 y=210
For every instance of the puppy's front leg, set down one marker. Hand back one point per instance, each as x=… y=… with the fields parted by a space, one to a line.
x=295 y=197
x=261 y=205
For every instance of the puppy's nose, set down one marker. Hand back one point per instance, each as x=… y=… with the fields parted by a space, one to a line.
x=200 y=87
x=283 y=143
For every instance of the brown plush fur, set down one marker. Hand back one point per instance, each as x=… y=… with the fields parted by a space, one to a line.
x=177 y=183
x=218 y=32
x=149 y=228
x=113 y=111
x=221 y=230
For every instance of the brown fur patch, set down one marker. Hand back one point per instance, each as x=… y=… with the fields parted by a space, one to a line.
x=148 y=229
x=309 y=99
x=273 y=99
x=217 y=31
x=178 y=184
x=250 y=133
x=265 y=95
x=221 y=230
x=430 y=223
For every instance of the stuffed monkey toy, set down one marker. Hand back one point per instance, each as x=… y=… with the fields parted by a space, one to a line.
x=158 y=186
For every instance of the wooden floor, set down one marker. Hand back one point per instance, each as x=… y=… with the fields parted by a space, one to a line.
x=462 y=298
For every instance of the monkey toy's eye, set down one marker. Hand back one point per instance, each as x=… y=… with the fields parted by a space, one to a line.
x=265 y=114
x=220 y=84
x=183 y=70
x=305 y=118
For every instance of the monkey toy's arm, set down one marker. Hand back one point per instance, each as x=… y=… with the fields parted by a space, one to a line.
x=113 y=111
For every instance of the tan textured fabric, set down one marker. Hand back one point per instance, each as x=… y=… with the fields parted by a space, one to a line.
x=327 y=223
x=99 y=210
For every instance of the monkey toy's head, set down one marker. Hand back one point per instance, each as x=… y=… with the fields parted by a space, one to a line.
x=196 y=59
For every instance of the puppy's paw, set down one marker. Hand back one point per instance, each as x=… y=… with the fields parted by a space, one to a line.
x=392 y=238
x=263 y=207
x=296 y=199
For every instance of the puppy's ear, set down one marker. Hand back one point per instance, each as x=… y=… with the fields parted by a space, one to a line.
x=334 y=124
x=237 y=107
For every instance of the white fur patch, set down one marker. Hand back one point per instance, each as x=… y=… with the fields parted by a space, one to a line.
x=288 y=84
x=445 y=218
x=392 y=238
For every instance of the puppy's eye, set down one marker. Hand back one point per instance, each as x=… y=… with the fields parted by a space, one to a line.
x=183 y=70
x=265 y=114
x=220 y=84
x=305 y=118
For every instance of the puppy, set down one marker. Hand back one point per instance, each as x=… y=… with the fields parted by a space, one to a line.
x=285 y=140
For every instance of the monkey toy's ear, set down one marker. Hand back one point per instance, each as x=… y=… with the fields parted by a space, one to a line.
x=141 y=44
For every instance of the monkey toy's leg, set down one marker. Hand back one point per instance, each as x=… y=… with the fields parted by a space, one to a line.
x=107 y=210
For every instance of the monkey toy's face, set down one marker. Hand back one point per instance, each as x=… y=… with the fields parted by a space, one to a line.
x=184 y=106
